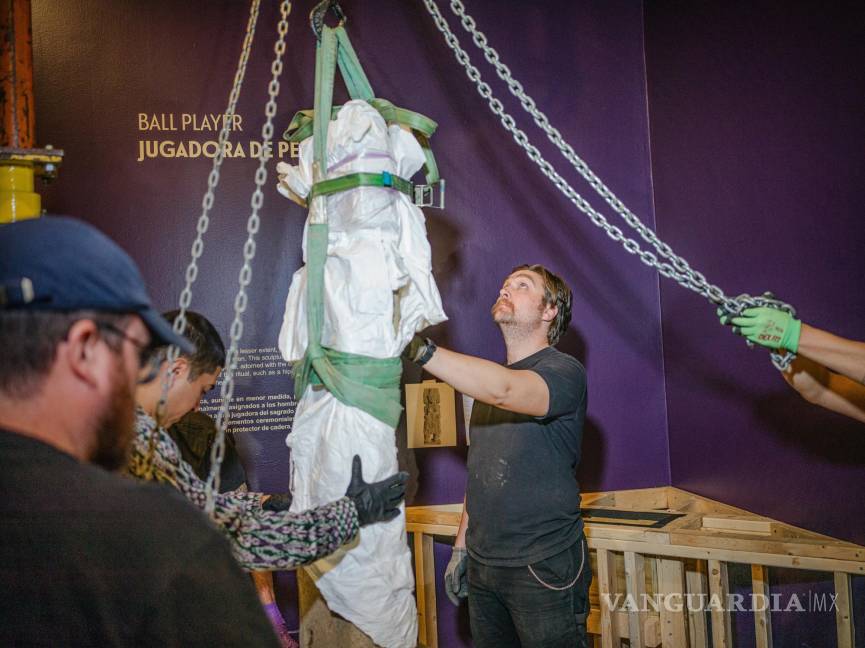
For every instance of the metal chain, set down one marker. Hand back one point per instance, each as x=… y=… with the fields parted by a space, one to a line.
x=709 y=291
x=203 y=224
x=252 y=226
x=676 y=267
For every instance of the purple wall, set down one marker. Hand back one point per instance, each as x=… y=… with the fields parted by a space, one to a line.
x=757 y=116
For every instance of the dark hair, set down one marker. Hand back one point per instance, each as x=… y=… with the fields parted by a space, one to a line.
x=556 y=293
x=28 y=344
x=209 y=350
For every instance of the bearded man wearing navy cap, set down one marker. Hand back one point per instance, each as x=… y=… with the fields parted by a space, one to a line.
x=88 y=557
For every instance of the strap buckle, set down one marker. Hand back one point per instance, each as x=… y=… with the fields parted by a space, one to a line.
x=425 y=195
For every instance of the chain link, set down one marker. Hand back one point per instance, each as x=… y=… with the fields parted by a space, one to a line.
x=203 y=223
x=669 y=265
x=252 y=226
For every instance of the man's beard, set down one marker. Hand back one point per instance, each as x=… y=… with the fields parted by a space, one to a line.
x=512 y=327
x=505 y=315
x=116 y=426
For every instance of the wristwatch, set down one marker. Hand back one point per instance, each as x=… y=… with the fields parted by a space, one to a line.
x=427 y=350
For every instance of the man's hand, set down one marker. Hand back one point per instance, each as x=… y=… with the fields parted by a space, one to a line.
x=820 y=386
x=376 y=502
x=456 y=583
x=768 y=327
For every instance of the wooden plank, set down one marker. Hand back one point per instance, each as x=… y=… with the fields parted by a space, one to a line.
x=615 y=532
x=642 y=498
x=425 y=591
x=760 y=558
x=762 y=617
x=719 y=588
x=652 y=631
x=635 y=583
x=764 y=544
x=432 y=529
x=843 y=608
x=606 y=589
x=697 y=587
x=443 y=514
x=671 y=581
x=756 y=526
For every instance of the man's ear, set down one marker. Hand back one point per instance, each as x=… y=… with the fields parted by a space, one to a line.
x=180 y=368
x=82 y=352
x=550 y=313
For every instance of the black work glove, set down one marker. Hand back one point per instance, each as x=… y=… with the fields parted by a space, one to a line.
x=279 y=502
x=376 y=502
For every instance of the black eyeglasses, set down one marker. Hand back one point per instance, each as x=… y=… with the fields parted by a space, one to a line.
x=149 y=358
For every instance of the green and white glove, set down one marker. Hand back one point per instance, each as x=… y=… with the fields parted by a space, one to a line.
x=768 y=327
x=456 y=581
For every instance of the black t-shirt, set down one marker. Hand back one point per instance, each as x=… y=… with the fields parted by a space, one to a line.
x=89 y=558
x=523 y=499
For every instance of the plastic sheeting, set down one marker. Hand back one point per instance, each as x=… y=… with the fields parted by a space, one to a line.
x=379 y=291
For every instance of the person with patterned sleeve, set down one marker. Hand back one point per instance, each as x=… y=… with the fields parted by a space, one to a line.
x=261 y=538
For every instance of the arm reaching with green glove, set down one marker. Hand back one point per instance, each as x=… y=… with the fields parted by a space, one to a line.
x=830 y=371
x=768 y=327
x=777 y=329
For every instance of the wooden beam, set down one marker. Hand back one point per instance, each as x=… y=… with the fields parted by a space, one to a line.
x=635 y=580
x=759 y=543
x=843 y=609
x=642 y=498
x=606 y=589
x=762 y=617
x=697 y=586
x=730 y=523
x=651 y=631
x=432 y=529
x=719 y=588
x=424 y=576
x=792 y=561
x=671 y=588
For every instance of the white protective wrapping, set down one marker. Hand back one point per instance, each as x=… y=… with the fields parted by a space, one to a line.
x=379 y=291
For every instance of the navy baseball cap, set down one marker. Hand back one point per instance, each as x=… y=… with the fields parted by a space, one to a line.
x=56 y=263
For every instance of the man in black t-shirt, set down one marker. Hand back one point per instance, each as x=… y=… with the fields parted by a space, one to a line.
x=520 y=554
x=87 y=557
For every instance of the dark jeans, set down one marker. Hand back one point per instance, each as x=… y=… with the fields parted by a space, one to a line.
x=508 y=607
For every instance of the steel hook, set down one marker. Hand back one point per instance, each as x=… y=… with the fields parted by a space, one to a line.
x=316 y=16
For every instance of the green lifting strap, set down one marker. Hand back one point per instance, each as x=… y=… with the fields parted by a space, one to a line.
x=325 y=63
x=352 y=180
x=301 y=125
x=370 y=384
x=352 y=71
